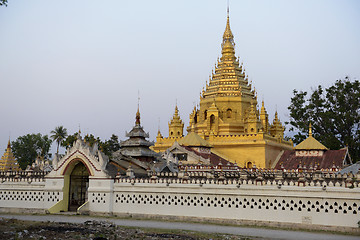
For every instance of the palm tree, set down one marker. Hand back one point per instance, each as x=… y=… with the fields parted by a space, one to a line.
x=58 y=135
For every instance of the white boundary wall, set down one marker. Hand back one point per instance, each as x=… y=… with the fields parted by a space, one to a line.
x=305 y=205
x=30 y=195
x=331 y=206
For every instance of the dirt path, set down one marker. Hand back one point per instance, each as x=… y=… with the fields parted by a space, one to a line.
x=207 y=228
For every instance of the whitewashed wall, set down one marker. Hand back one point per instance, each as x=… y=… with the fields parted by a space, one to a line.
x=24 y=194
x=334 y=206
x=331 y=206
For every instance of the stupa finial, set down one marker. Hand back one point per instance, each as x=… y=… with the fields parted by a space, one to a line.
x=176 y=110
x=137 y=122
x=159 y=125
x=228 y=34
x=228 y=6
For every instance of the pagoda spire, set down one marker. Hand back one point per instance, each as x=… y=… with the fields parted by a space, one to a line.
x=176 y=125
x=137 y=121
x=276 y=129
x=159 y=136
x=8 y=161
x=176 y=111
x=228 y=79
x=227 y=33
x=228 y=44
x=264 y=117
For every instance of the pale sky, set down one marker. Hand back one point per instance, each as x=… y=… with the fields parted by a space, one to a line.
x=83 y=62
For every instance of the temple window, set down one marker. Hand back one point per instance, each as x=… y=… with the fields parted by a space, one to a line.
x=212 y=122
x=249 y=165
x=228 y=113
x=180 y=156
x=205 y=114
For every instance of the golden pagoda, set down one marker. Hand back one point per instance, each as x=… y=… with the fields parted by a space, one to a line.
x=8 y=161
x=176 y=125
x=228 y=116
x=310 y=143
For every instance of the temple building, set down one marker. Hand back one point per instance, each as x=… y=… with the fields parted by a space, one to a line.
x=194 y=151
x=8 y=161
x=136 y=146
x=229 y=118
x=311 y=155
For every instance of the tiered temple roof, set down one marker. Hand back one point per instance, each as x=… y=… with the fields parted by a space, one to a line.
x=137 y=146
x=229 y=78
x=8 y=161
x=176 y=125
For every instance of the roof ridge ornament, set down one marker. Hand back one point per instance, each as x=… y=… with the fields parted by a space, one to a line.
x=79 y=132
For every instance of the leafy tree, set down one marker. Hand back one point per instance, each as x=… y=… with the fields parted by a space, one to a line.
x=110 y=146
x=107 y=147
x=27 y=148
x=3 y=2
x=69 y=141
x=91 y=140
x=334 y=114
x=58 y=135
x=44 y=146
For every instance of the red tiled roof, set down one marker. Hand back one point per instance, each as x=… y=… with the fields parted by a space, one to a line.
x=289 y=160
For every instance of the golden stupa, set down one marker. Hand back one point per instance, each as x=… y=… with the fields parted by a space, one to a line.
x=8 y=161
x=228 y=117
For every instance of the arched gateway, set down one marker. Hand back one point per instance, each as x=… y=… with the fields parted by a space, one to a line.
x=79 y=183
x=75 y=175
